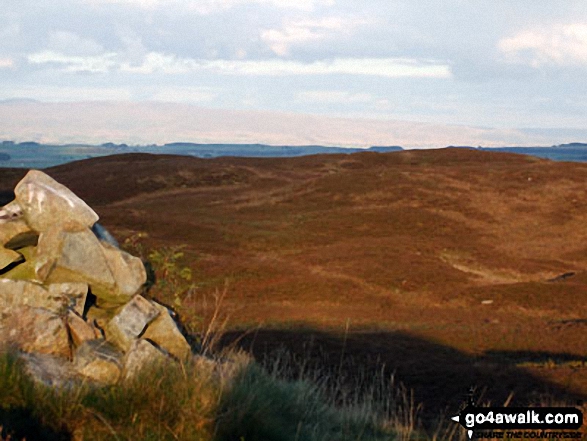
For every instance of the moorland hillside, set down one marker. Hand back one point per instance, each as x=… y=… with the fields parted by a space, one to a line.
x=450 y=267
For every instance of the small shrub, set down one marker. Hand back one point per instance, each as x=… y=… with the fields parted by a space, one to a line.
x=170 y=278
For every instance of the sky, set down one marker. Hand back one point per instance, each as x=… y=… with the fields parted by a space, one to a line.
x=489 y=64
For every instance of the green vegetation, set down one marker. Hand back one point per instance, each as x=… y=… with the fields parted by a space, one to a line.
x=236 y=400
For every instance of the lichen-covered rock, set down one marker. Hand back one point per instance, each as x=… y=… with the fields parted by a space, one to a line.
x=53 y=254
x=130 y=322
x=15 y=293
x=113 y=275
x=164 y=332
x=34 y=330
x=72 y=257
x=142 y=354
x=128 y=272
x=46 y=203
x=99 y=361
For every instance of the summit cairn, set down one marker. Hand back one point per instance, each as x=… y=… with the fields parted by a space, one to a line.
x=70 y=300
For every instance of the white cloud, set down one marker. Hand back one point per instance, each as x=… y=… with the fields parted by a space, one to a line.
x=158 y=62
x=306 y=31
x=384 y=67
x=561 y=45
x=173 y=65
x=72 y=63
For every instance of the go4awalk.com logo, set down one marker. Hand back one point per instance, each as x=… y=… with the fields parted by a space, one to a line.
x=520 y=422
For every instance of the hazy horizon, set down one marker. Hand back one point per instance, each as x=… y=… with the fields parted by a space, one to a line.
x=148 y=123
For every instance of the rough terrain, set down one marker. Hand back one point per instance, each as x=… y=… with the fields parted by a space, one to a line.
x=452 y=268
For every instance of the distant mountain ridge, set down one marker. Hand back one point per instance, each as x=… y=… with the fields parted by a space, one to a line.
x=31 y=154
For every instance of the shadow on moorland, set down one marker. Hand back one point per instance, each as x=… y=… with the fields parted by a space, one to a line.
x=439 y=376
x=536 y=357
x=19 y=423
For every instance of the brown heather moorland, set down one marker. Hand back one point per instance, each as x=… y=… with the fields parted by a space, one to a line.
x=442 y=267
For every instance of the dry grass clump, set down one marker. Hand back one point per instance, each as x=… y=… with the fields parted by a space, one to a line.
x=201 y=400
x=170 y=403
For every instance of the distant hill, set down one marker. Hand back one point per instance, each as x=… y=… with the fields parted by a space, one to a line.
x=36 y=155
x=32 y=154
x=575 y=152
x=573 y=145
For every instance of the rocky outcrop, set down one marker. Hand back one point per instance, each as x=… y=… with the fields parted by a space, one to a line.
x=70 y=301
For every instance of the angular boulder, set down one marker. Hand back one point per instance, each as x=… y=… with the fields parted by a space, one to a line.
x=69 y=297
x=98 y=360
x=130 y=322
x=79 y=330
x=128 y=272
x=72 y=257
x=164 y=332
x=45 y=203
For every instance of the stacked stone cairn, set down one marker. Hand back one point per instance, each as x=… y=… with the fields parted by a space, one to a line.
x=70 y=300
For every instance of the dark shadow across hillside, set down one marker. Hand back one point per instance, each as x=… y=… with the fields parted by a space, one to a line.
x=440 y=376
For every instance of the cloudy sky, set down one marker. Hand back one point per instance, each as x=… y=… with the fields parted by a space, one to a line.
x=488 y=64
